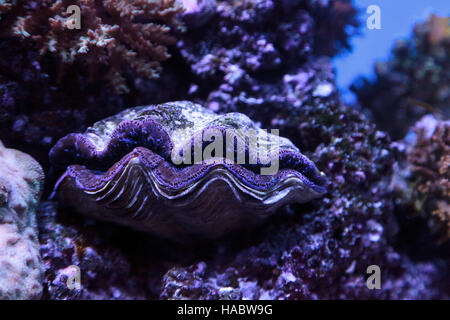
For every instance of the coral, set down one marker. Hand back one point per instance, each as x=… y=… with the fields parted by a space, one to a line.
x=413 y=82
x=430 y=161
x=146 y=188
x=114 y=36
x=21 y=182
x=115 y=262
x=425 y=191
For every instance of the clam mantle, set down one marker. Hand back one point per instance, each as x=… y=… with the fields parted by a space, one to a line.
x=121 y=170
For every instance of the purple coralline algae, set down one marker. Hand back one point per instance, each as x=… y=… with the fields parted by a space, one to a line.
x=265 y=50
x=21 y=182
x=108 y=269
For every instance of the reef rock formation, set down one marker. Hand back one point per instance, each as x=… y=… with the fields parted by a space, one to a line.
x=146 y=188
x=422 y=176
x=111 y=35
x=240 y=60
x=21 y=182
x=322 y=251
x=413 y=82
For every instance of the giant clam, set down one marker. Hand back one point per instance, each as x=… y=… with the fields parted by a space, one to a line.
x=125 y=169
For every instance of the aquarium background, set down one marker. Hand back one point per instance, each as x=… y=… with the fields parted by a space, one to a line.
x=397 y=20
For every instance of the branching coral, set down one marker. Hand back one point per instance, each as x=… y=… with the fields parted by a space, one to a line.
x=116 y=36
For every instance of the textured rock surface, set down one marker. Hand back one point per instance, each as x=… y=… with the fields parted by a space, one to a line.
x=21 y=182
x=422 y=178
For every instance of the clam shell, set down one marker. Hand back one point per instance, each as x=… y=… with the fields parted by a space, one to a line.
x=121 y=169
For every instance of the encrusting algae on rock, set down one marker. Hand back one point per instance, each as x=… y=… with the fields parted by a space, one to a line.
x=21 y=181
